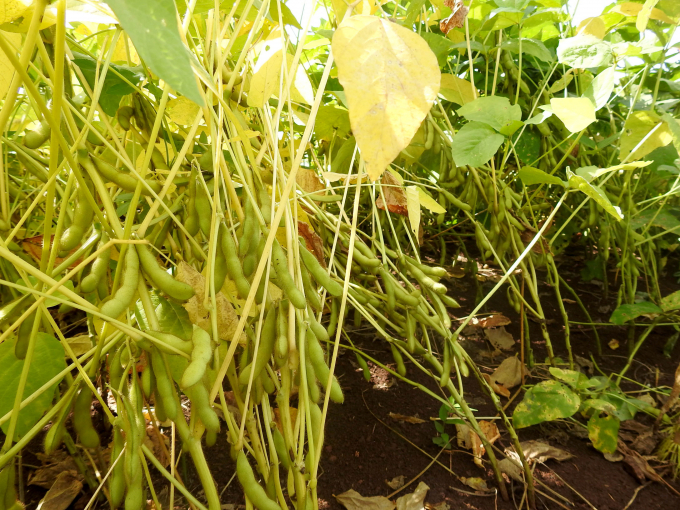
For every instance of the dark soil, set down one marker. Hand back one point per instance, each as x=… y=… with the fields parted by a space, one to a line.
x=365 y=447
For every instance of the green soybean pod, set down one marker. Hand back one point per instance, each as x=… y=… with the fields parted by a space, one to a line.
x=281 y=348
x=455 y=201
x=8 y=494
x=82 y=419
x=117 y=478
x=315 y=416
x=255 y=246
x=82 y=220
x=446 y=368
x=164 y=384
x=24 y=336
x=425 y=280
x=124 y=114
x=203 y=208
x=123 y=296
x=233 y=264
x=440 y=308
x=191 y=223
x=161 y=278
x=280 y=263
x=267 y=383
x=123 y=180
x=264 y=351
x=98 y=269
x=115 y=368
x=55 y=435
x=389 y=288
x=410 y=328
x=319 y=331
x=265 y=204
x=316 y=356
x=148 y=380
x=280 y=447
x=249 y=224
x=253 y=490
x=35 y=138
x=200 y=402
x=449 y=301
x=162 y=235
x=220 y=269
x=361 y=361
x=172 y=341
x=319 y=273
x=399 y=360
x=200 y=356
x=310 y=290
x=312 y=386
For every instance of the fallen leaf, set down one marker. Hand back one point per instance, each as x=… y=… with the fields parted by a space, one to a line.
x=498 y=388
x=392 y=193
x=396 y=483
x=509 y=372
x=407 y=419
x=478 y=484
x=62 y=493
x=540 y=452
x=467 y=438
x=494 y=321
x=457 y=17
x=352 y=500
x=415 y=500
x=53 y=465
x=672 y=398
x=80 y=344
x=153 y=439
x=500 y=338
x=568 y=301
x=227 y=320
x=457 y=272
x=308 y=181
x=312 y=241
x=613 y=344
x=391 y=79
x=645 y=443
x=512 y=469
x=613 y=457
x=584 y=363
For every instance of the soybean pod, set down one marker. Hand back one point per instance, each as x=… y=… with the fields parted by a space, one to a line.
x=200 y=356
x=126 y=292
x=253 y=490
x=315 y=355
x=319 y=273
x=233 y=264
x=161 y=278
x=265 y=349
x=99 y=268
x=82 y=220
x=280 y=263
x=82 y=419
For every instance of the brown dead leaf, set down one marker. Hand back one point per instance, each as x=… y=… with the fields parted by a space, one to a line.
x=478 y=484
x=539 y=451
x=352 y=500
x=227 y=320
x=63 y=491
x=312 y=241
x=568 y=301
x=509 y=372
x=457 y=17
x=407 y=419
x=415 y=500
x=308 y=181
x=457 y=272
x=80 y=344
x=672 y=398
x=494 y=321
x=500 y=338
x=498 y=388
x=637 y=464
x=613 y=344
x=393 y=194
x=467 y=438
x=52 y=466
x=645 y=443
x=153 y=439
x=512 y=469
x=396 y=483
x=34 y=247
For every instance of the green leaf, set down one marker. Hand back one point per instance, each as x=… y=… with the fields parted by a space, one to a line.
x=152 y=26
x=594 y=192
x=674 y=129
x=530 y=47
x=512 y=4
x=604 y=432
x=511 y=127
x=503 y=17
x=548 y=400
x=625 y=313
x=286 y=15
x=638 y=128
x=601 y=87
x=329 y=119
x=49 y=302
x=200 y=7
x=667 y=217
x=114 y=86
x=584 y=51
x=414 y=10
x=475 y=144
x=528 y=146
x=495 y=111
x=597 y=405
x=173 y=318
x=530 y=175
x=440 y=46
x=540 y=118
x=671 y=302
x=589 y=173
x=573 y=378
x=48 y=361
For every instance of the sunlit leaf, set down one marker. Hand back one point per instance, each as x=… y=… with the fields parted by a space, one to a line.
x=628 y=312
x=547 y=401
x=495 y=111
x=584 y=51
x=643 y=132
x=475 y=144
x=530 y=175
x=601 y=87
x=6 y=68
x=594 y=192
x=577 y=113
x=456 y=89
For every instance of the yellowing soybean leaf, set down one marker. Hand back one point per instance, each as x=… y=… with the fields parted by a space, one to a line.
x=267 y=82
x=430 y=203
x=645 y=13
x=674 y=128
x=562 y=83
x=6 y=69
x=413 y=206
x=391 y=79
x=594 y=192
x=633 y=9
x=577 y=113
x=592 y=26
x=639 y=127
x=456 y=89
x=182 y=110
x=601 y=87
x=12 y=9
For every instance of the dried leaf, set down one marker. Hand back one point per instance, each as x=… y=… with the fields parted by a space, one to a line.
x=407 y=419
x=512 y=469
x=500 y=338
x=509 y=372
x=415 y=500
x=34 y=247
x=494 y=321
x=397 y=482
x=468 y=438
x=312 y=241
x=53 y=465
x=392 y=194
x=80 y=344
x=457 y=17
x=227 y=320
x=308 y=181
x=62 y=493
x=613 y=344
x=352 y=500
x=478 y=484
x=153 y=439
x=539 y=451
x=613 y=457
x=498 y=389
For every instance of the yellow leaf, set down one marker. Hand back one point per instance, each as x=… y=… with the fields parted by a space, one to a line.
x=577 y=113
x=13 y=9
x=456 y=89
x=391 y=79
x=592 y=26
x=430 y=203
x=456 y=36
x=267 y=82
x=6 y=69
x=645 y=13
x=642 y=133
x=182 y=110
x=633 y=9
x=413 y=206
x=562 y=83
x=120 y=54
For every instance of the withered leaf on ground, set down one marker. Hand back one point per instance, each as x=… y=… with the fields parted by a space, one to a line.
x=396 y=482
x=405 y=418
x=415 y=500
x=539 y=451
x=512 y=469
x=467 y=438
x=500 y=338
x=57 y=463
x=352 y=500
x=494 y=321
x=477 y=483
x=62 y=493
x=499 y=389
x=509 y=372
